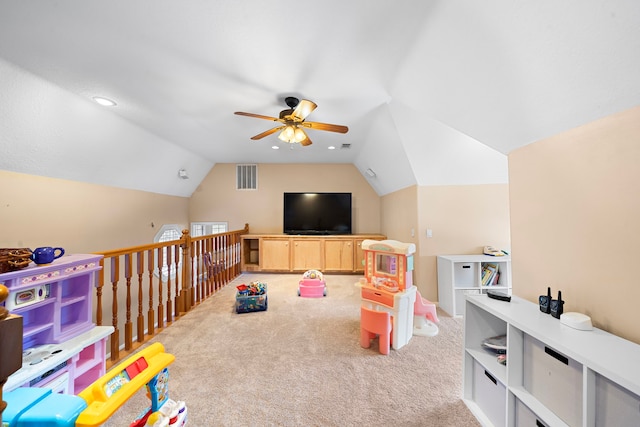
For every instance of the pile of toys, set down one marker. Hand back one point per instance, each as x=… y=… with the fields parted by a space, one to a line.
x=251 y=297
x=313 y=274
x=254 y=288
x=163 y=412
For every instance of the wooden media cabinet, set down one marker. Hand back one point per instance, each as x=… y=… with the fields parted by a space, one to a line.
x=299 y=253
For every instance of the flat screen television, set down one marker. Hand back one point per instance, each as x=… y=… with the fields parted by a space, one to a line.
x=317 y=213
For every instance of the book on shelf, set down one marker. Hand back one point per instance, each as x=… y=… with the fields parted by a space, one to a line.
x=496 y=279
x=486 y=274
x=489 y=273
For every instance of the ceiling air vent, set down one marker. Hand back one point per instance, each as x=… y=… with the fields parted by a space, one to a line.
x=345 y=146
x=246 y=177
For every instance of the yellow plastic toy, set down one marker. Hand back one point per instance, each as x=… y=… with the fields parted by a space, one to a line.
x=113 y=389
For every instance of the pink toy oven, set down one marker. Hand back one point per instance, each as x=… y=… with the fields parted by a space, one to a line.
x=312 y=288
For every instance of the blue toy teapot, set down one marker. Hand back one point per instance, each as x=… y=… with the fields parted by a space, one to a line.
x=46 y=254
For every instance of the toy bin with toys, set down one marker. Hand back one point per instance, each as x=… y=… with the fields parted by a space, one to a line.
x=251 y=297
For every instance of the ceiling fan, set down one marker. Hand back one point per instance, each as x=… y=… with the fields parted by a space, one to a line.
x=293 y=121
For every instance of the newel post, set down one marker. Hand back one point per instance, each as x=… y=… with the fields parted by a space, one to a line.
x=11 y=329
x=186 y=292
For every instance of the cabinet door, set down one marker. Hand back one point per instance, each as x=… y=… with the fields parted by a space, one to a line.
x=274 y=254
x=306 y=254
x=358 y=261
x=338 y=255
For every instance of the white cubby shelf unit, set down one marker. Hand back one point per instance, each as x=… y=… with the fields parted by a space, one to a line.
x=555 y=375
x=461 y=275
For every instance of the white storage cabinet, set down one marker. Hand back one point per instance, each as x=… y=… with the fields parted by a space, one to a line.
x=461 y=275
x=555 y=375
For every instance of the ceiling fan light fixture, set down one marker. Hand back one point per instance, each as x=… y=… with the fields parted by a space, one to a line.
x=293 y=123
x=298 y=135
x=287 y=134
x=283 y=138
x=292 y=135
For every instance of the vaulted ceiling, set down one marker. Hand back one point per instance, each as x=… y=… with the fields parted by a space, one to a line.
x=433 y=92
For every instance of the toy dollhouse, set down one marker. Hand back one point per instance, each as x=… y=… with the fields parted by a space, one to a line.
x=388 y=284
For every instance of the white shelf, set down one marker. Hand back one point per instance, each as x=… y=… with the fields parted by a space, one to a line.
x=461 y=275
x=556 y=374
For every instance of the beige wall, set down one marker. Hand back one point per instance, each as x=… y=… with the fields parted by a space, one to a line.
x=82 y=218
x=575 y=210
x=37 y=211
x=463 y=219
x=399 y=215
x=217 y=199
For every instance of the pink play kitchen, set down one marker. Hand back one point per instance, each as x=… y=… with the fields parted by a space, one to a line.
x=388 y=285
x=62 y=347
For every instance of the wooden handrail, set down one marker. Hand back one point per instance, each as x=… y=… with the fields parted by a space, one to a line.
x=176 y=275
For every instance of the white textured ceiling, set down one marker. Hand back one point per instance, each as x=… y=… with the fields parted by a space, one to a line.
x=433 y=91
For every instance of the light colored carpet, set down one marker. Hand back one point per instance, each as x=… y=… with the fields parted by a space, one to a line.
x=300 y=364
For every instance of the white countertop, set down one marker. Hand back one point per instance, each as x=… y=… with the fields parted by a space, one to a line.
x=69 y=349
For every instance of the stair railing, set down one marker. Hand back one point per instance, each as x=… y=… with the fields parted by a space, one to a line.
x=153 y=285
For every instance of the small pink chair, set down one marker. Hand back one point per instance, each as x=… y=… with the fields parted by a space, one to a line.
x=312 y=288
x=372 y=323
x=424 y=317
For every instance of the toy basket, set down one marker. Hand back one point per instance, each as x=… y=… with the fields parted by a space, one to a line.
x=14 y=259
x=251 y=298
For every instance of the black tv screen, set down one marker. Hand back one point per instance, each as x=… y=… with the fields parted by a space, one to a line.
x=317 y=213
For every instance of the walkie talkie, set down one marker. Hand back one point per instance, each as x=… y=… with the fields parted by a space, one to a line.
x=545 y=302
x=556 y=306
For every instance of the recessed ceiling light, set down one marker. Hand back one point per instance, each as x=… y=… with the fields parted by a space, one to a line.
x=331 y=147
x=104 y=101
x=275 y=147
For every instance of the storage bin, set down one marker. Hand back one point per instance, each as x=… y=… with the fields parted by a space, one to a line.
x=489 y=394
x=465 y=274
x=248 y=303
x=525 y=416
x=461 y=299
x=554 y=379
x=616 y=405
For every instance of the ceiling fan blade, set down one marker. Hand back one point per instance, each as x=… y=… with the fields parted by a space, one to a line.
x=303 y=109
x=267 y=133
x=306 y=141
x=258 y=116
x=325 y=126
